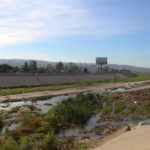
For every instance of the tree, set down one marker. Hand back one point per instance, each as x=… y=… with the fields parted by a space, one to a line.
x=59 y=66
x=49 y=68
x=4 y=68
x=66 y=69
x=73 y=68
x=16 y=69
x=85 y=70
x=33 y=66
x=26 y=67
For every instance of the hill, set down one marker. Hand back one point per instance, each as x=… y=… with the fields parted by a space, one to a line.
x=91 y=67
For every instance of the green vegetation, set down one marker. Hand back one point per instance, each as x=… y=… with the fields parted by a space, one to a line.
x=32 y=89
x=83 y=146
x=106 y=110
x=119 y=106
x=144 y=110
x=132 y=108
x=41 y=130
x=45 y=88
x=124 y=108
x=141 y=112
x=1 y=122
x=73 y=111
x=30 y=125
x=140 y=77
x=49 y=142
x=13 y=110
x=10 y=144
x=25 y=144
x=48 y=104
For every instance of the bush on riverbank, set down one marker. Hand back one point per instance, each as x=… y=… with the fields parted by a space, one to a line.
x=13 y=110
x=118 y=107
x=1 y=122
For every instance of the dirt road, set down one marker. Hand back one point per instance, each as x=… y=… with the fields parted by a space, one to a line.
x=40 y=94
x=137 y=139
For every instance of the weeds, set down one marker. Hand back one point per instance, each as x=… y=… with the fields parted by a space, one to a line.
x=13 y=110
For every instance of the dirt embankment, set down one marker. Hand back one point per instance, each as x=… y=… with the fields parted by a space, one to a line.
x=46 y=94
x=8 y=80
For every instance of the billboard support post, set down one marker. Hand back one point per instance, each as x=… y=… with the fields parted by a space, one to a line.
x=101 y=61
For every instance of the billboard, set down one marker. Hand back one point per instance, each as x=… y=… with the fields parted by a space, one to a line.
x=101 y=60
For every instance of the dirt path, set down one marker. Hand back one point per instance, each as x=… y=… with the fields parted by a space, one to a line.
x=40 y=94
x=137 y=139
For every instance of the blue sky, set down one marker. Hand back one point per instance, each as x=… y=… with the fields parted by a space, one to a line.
x=76 y=30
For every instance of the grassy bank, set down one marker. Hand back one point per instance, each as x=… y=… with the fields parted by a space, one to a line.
x=15 y=90
x=49 y=88
x=140 y=77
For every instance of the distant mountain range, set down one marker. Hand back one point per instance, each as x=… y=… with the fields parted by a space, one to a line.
x=91 y=67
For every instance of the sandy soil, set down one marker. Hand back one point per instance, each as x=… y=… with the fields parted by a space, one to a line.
x=35 y=95
x=137 y=139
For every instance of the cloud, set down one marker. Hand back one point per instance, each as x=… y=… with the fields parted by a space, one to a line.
x=27 y=20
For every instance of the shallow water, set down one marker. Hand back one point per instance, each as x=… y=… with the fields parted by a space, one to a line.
x=41 y=104
x=79 y=132
x=44 y=107
x=9 y=128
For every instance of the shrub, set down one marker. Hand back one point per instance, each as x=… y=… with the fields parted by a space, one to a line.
x=136 y=116
x=31 y=125
x=132 y=108
x=1 y=122
x=25 y=144
x=13 y=110
x=144 y=110
x=79 y=109
x=49 y=142
x=119 y=106
x=109 y=103
x=107 y=110
x=10 y=144
x=14 y=134
x=75 y=110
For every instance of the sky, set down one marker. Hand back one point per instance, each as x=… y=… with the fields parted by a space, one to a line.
x=76 y=30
